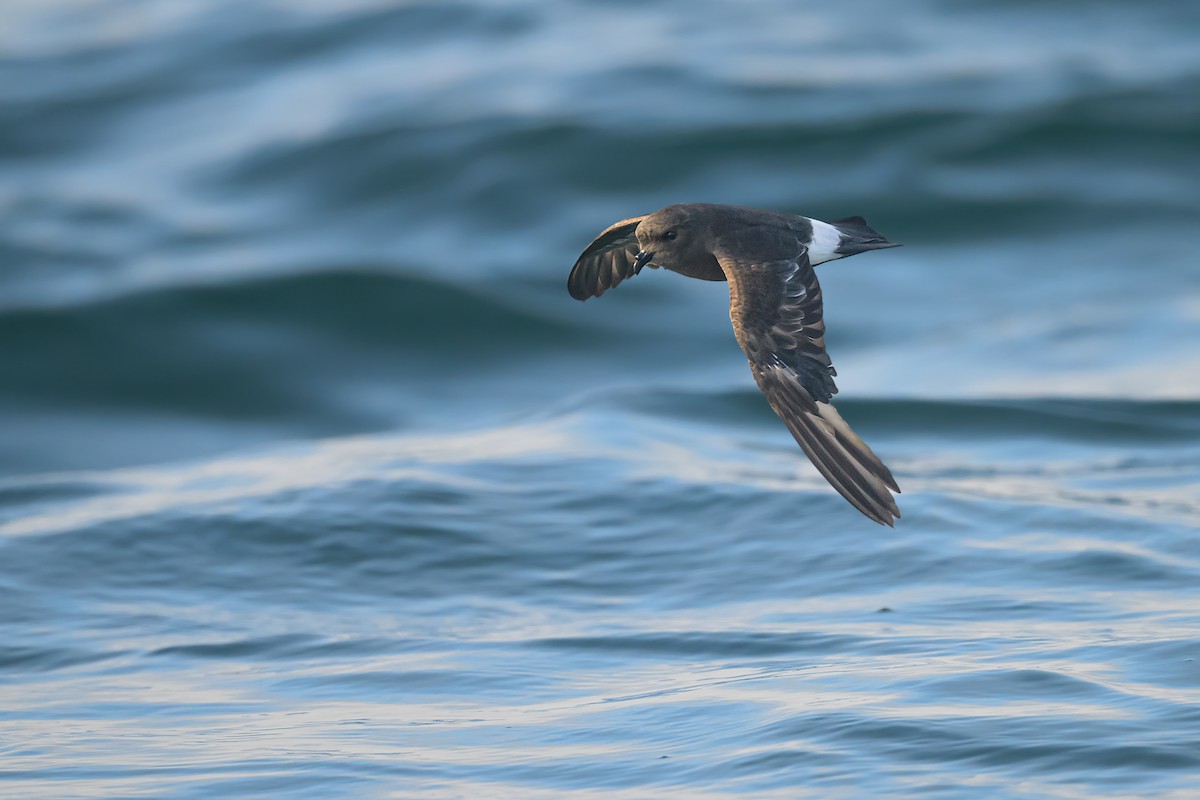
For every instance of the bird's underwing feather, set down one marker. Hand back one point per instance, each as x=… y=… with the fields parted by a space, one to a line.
x=607 y=261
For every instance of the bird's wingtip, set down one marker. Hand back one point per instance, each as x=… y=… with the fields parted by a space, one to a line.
x=576 y=291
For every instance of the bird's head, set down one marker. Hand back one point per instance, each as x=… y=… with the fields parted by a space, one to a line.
x=671 y=238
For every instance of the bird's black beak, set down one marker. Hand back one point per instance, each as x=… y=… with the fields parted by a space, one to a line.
x=641 y=260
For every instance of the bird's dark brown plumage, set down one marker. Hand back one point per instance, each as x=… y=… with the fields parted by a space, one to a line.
x=776 y=308
x=607 y=261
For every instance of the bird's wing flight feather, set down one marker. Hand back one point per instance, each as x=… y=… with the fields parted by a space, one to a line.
x=776 y=310
x=607 y=261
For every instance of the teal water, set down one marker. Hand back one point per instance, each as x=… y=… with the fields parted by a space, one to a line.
x=315 y=483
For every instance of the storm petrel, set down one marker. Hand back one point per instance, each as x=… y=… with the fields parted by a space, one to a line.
x=775 y=306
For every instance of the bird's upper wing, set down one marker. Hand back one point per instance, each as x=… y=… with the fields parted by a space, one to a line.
x=775 y=307
x=607 y=261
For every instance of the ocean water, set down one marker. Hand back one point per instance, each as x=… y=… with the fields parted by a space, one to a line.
x=315 y=483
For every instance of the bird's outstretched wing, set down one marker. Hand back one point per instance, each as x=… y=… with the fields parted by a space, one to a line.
x=607 y=261
x=775 y=307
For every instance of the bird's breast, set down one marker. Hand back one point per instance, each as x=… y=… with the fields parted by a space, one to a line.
x=704 y=269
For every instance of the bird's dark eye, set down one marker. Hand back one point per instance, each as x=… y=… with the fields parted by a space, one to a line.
x=669 y=235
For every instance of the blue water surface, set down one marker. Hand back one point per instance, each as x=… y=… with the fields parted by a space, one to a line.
x=314 y=481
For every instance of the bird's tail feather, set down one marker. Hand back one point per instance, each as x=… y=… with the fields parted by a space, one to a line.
x=858 y=236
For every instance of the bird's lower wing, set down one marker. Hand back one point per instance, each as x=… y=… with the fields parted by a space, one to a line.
x=777 y=316
x=836 y=451
x=607 y=261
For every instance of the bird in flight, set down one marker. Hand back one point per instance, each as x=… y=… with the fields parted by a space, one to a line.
x=775 y=306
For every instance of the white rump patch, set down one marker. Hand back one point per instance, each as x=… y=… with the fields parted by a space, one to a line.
x=825 y=241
